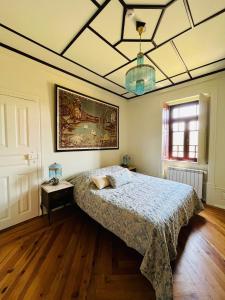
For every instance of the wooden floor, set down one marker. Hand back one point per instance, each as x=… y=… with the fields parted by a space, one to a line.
x=75 y=258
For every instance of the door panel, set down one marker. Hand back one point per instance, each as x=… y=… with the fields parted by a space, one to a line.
x=4 y=192
x=19 y=148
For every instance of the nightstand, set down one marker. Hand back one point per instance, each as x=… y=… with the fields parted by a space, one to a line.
x=53 y=196
x=131 y=168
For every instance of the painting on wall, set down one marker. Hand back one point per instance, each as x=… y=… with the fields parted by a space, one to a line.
x=85 y=123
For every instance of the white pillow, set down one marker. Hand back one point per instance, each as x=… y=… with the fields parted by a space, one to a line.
x=101 y=181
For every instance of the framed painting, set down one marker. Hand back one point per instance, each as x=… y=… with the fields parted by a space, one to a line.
x=85 y=123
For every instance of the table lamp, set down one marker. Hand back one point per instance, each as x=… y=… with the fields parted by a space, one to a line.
x=55 y=172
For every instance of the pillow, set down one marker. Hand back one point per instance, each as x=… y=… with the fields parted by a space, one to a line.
x=100 y=181
x=120 y=178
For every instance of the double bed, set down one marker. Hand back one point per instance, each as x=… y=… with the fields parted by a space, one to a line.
x=147 y=214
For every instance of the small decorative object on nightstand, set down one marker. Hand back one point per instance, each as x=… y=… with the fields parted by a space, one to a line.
x=53 y=196
x=125 y=161
x=55 y=172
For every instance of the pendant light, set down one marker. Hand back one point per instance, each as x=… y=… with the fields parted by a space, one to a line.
x=141 y=78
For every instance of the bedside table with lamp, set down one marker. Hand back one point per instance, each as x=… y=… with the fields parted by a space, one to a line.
x=55 y=193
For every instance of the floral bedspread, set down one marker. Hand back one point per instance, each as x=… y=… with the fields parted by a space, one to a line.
x=146 y=214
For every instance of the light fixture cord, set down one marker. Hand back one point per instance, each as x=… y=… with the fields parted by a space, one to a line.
x=140 y=42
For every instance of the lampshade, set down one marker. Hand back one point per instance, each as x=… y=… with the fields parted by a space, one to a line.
x=140 y=79
x=55 y=170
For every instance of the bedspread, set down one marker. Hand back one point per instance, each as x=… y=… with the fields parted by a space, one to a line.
x=147 y=214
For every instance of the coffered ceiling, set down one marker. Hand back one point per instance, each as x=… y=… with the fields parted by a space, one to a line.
x=96 y=41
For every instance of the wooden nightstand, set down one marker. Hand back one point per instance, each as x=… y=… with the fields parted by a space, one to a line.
x=53 y=196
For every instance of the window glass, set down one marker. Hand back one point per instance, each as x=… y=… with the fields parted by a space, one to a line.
x=184 y=126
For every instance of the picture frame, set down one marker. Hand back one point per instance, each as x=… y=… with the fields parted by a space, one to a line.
x=84 y=123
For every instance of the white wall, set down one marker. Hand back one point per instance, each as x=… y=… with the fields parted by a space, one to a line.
x=145 y=131
x=21 y=75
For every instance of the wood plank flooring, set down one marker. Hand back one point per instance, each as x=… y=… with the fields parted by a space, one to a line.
x=75 y=258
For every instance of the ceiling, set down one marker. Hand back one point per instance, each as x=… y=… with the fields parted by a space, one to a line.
x=95 y=41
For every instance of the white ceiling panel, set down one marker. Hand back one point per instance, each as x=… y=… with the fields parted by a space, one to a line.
x=174 y=21
x=162 y=84
x=204 y=44
x=202 y=9
x=168 y=60
x=147 y=2
x=181 y=77
x=131 y=49
x=119 y=75
x=28 y=47
x=92 y=52
x=149 y=16
x=52 y=23
x=106 y=19
x=208 y=69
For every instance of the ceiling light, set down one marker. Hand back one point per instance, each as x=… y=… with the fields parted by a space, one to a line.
x=141 y=78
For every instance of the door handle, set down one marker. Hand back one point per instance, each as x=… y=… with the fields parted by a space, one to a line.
x=31 y=156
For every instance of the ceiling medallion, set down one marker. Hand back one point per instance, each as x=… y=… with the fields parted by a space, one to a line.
x=141 y=78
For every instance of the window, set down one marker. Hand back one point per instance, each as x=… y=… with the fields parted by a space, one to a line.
x=183 y=131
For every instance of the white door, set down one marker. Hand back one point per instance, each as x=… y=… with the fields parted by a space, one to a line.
x=19 y=144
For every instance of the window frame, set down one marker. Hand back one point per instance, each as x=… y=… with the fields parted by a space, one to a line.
x=186 y=120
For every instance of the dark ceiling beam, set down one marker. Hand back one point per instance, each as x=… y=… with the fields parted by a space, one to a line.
x=184 y=81
x=55 y=67
x=188 y=13
x=154 y=44
x=56 y=53
x=117 y=43
x=120 y=67
x=123 y=23
x=170 y=3
x=123 y=3
x=108 y=43
x=27 y=38
x=181 y=58
x=208 y=64
x=158 y=23
x=171 y=77
x=85 y=26
x=170 y=39
x=211 y=17
x=96 y=3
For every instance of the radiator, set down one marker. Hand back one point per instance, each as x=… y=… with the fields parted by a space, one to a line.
x=189 y=176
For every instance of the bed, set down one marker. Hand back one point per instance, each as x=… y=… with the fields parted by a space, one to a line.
x=146 y=213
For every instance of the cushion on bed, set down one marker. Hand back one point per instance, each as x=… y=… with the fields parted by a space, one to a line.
x=120 y=178
x=101 y=181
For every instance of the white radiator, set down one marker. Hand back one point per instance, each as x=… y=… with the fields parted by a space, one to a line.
x=189 y=176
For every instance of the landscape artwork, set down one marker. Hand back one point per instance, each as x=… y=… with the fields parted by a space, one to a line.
x=85 y=123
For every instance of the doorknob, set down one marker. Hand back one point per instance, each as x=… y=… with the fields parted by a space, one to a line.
x=31 y=156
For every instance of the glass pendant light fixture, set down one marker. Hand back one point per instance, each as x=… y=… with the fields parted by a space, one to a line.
x=141 y=78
